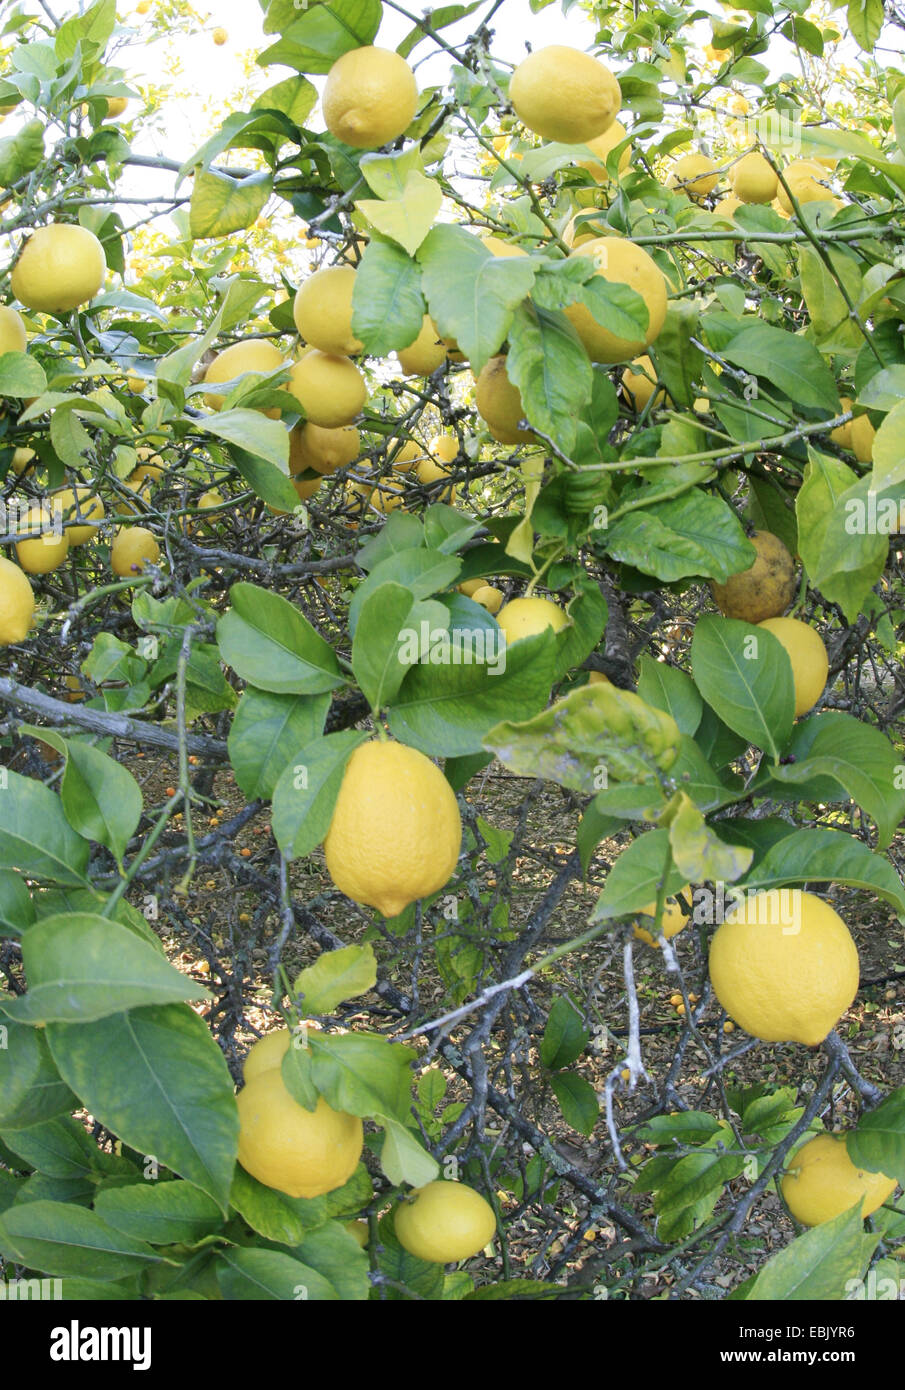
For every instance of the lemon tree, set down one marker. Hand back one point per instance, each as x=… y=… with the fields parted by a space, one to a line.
x=453 y=545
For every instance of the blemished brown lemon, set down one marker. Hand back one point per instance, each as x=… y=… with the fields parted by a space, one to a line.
x=821 y=1182
x=639 y=382
x=133 y=547
x=13 y=337
x=842 y=434
x=266 y=1054
x=488 y=597
x=253 y=355
x=784 y=966
x=324 y=450
x=17 y=603
x=48 y=548
x=862 y=435
x=74 y=504
x=808 y=655
x=426 y=353
x=765 y=589
x=524 y=617
x=323 y=310
x=806 y=180
x=303 y=1153
x=62 y=267
x=620 y=262
x=694 y=175
x=369 y=98
x=499 y=403
x=389 y=784
x=675 y=918
x=329 y=388
x=444 y=448
x=601 y=147
x=753 y=179
x=563 y=94
x=444 y=1221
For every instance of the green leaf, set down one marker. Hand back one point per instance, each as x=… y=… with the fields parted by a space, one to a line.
x=31 y=1089
x=387 y=303
x=156 y=1078
x=17 y=911
x=667 y=688
x=550 y=367
x=250 y=1275
x=222 y=203
x=294 y=97
x=316 y=37
x=690 y=535
x=62 y=1239
x=699 y=853
x=82 y=967
x=635 y=878
x=250 y=430
x=161 y=1213
x=878 y=1141
x=565 y=1036
x=336 y=1254
x=594 y=732
x=745 y=674
x=789 y=362
x=93 y=30
x=336 y=976
x=101 y=798
x=390 y=625
x=402 y=1158
x=305 y=794
x=271 y=645
x=827 y=856
x=472 y=294
x=816 y=1266
x=865 y=20
x=21 y=375
x=268 y=481
x=35 y=836
x=417 y=1276
x=363 y=1074
x=577 y=1101
x=423 y=572
x=19 y=155
x=267 y=730
x=406 y=219
x=889 y=451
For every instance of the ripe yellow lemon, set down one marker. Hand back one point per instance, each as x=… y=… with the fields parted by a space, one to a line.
x=22 y=459
x=488 y=597
x=471 y=586
x=444 y=448
x=78 y=503
x=499 y=403
x=444 y=1221
x=220 y=36
x=620 y=262
x=808 y=655
x=303 y=1153
x=753 y=179
x=133 y=547
x=115 y=107
x=765 y=589
x=821 y=1182
x=727 y=206
x=639 y=382
x=330 y=389
x=323 y=310
x=426 y=353
x=407 y=455
x=266 y=1054
x=497 y=247
x=563 y=94
x=599 y=678
x=784 y=966
x=806 y=180
x=391 y=786
x=306 y=487
x=523 y=617
x=429 y=472
x=600 y=147
x=673 y=921
x=862 y=438
x=62 y=267
x=253 y=355
x=387 y=495
x=48 y=549
x=13 y=337
x=842 y=434
x=359 y=1231
x=369 y=98
x=578 y=233
x=695 y=175
x=17 y=603
x=324 y=450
